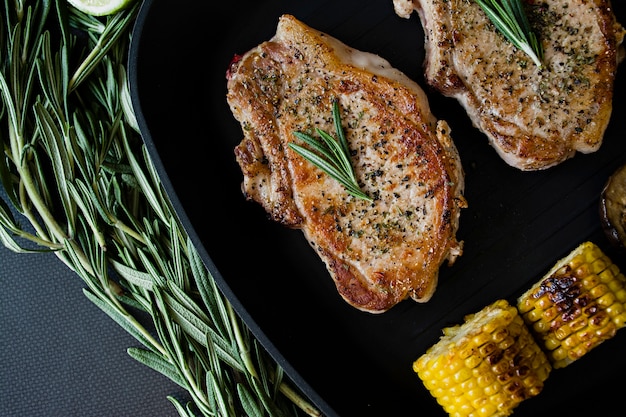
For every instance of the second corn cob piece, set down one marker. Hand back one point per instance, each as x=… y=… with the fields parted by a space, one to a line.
x=577 y=305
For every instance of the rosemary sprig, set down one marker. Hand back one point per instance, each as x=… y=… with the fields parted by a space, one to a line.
x=331 y=155
x=509 y=17
x=75 y=168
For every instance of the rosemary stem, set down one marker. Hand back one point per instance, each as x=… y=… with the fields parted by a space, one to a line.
x=531 y=53
x=199 y=398
x=27 y=212
x=35 y=239
x=243 y=350
x=98 y=235
x=16 y=141
x=32 y=196
x=295 y=398
x=125 y=230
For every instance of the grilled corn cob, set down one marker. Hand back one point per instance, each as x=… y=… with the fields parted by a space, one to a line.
x=577 y=305
x=486 y=366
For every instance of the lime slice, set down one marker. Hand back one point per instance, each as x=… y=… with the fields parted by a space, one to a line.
x=100 y=7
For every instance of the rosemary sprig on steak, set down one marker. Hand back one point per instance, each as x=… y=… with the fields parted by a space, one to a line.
x=332 y=155
x=509 y=17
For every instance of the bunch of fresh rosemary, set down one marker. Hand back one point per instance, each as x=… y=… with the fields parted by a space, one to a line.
x=75 y=169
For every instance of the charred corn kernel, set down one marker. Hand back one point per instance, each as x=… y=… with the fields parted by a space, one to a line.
x=489 y=364
x=577 y=305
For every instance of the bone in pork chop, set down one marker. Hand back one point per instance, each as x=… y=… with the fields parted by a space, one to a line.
x=534 y=117
x=378 y=252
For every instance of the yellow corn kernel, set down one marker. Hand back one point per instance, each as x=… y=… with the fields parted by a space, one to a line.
x=615 y=286
x=621 y=295
x=541 y=326
x=526 y=305
x=606 y=332
x=598 y=265
x=499 y=335
x=560 y=334
x=549 y=314
x=591 y=281
x=487 y=410
x=484 y=380
x=608 y=273
x=577 y=305
x=598 y=291
x=491 y=364
x=534 y=314
x=472 y=361
x=607 y=300
x=614 y=310
x=552 y=343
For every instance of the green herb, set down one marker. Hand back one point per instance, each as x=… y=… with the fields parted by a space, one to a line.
x=79 y=182
x=331 y=155
x=510 y=19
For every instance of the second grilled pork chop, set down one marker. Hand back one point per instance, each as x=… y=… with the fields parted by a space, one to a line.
x=534 y=117
x=380 y=252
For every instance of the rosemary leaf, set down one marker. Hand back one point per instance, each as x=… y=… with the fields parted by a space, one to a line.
x=146 y=186
x=185 y=315
x=208 y=292
x=157 y=363
x=212 y=375
x=247 y=401
x=218 y=397
x=339 y=129
x=7 y=240
x=133 y=276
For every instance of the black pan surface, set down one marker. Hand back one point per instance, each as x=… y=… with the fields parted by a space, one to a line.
x=351 y=363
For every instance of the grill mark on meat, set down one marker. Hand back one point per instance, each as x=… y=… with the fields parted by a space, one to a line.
x=381 y=252
x=534 y=118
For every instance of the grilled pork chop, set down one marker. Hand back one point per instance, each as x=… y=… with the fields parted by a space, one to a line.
x=380 y=252
x=534 y=117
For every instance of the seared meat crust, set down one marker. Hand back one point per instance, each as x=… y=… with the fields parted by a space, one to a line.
x=534 y=117
x=378 y=253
